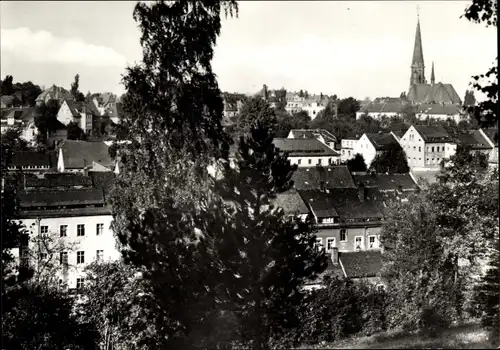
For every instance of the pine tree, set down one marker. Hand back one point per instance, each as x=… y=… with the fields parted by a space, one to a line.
x=271 y=255
x=163 y=207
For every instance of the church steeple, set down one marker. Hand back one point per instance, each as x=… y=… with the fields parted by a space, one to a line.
x=417 y=64
x=432 y=74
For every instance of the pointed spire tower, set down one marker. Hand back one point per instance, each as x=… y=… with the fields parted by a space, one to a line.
x=417 y=64
x=433 y=79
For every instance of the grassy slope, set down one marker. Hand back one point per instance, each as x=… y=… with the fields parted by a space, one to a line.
x=466 y=336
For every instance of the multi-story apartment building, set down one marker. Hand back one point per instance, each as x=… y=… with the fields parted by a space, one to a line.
x=426 y=147
x=347 y=147
x=68 y=223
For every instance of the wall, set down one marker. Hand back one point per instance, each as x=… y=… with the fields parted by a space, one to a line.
x=89 y=243
x=366 y=149
x=64 y=114
x=414 y=147
x=304 y=160
x=351 y=233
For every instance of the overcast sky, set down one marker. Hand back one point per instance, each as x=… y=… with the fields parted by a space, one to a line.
x=356 y=48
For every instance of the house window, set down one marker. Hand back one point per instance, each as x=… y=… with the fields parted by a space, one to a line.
x=358 y=241
x=420 y=149
x=372 y=242
x=63 y=258
x=309 y=161
x=343 y=235
x=319 y=243
x=80 y=283
x=414 y=148
x=63 y=230
x=299 y=161
x=330 y=243
x=349 y=152
x=319 y=161
x=432 y=149
x=80 y=257
x=99 y=255
x=44 y=230
x=80 y=230
x=99 y=229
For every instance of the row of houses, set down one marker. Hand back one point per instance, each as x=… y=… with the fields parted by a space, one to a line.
x=390 y=108
x=63 y=196
x=93 y=117
x=425 y=146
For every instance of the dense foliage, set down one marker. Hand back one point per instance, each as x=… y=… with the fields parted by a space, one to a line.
x=357 y=163
x=272 y=255
x=391 y=161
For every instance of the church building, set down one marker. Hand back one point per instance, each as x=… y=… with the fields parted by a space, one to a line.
x=422 y=92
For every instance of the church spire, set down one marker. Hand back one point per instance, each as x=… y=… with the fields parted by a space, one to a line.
x=432 y=74
x=417 y=64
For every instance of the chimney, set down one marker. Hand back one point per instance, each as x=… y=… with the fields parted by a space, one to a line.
x=335 y=255
x=361 y=192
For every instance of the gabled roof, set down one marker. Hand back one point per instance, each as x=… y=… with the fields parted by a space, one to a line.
x=6 y=100
x=474 y=139
x=68 y=197
x=437 y=93
x=439 y=109
x=30 y=158
x=304 y=147
x=291 y=202
x=344 y=202
x=80 y=107
x=313 y=134
x=80 y=154
x=387 y=182
x=74 y=108
x=321 y=204
x=492 y=134
x=361 y=264
x=312 y=178
x=381 y=141
x=433 y=133
x=23 y=114
x=52 y=180
x=386 y=107
x=54 y=93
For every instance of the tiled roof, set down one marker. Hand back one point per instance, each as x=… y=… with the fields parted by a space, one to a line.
x=27 y=158
x=52 y=180
x=312 y=134
x=381 y=140
x=54 y=93
x=439 y=109
x=361 y=264
x=66 y=212
x=321 y=204
x=433 y=133
x=74 y=108
x=304 y=147
x=33 y=199
x=349 y=206
x=437 y=93
x=24 y=114
x=291 y=202
x=492 y=134
x=342 y=201
x=7 y=101
x=387 y=107
x=386 y=182
x=79 y=154
x=313 y=178
x=474 y=139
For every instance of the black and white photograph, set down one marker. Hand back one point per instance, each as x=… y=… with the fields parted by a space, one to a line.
x=223 y=174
